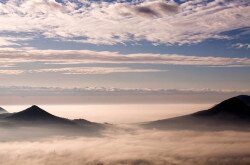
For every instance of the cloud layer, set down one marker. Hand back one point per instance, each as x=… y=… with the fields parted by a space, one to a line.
x=89 y=95
x=11 y=56
x=132 y=146
x=94 y=70
x=101 y=22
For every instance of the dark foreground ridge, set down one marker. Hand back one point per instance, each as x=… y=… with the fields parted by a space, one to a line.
x=231 y=114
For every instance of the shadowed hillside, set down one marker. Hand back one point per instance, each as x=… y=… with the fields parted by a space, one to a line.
x=40 y=123
x=2 y=110
x=34 y=114
x=231 y=114
x=231 y=108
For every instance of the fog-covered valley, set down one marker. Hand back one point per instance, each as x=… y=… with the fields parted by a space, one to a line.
x=219 y=135
x=125 y=144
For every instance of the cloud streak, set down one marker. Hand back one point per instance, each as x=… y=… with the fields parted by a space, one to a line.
x=87 y=56
x=94 y=70
x=89 y=95
x=11 y=72
x=241 y=46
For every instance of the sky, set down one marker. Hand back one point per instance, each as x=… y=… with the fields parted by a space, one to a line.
x=123 y=51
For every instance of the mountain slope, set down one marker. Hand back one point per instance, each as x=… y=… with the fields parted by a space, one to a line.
x=35 y=122
x=2 y=110
x=231 y=114
x=245 y=99
x=34 y=114
x=231 y=108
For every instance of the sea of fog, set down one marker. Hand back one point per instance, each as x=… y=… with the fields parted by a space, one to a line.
x=124 y=144
x=117 y=113
x=129 y=145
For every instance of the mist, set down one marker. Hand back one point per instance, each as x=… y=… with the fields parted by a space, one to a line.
x=128 y=144
x=117 y=113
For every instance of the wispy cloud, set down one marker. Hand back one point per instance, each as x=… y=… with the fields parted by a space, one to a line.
x=110 y=23
x=11 y=72
x=86 y=56
x=94 y=70
x=12 y=40
x=89 y=95
x=7 y=90
x=241 y=46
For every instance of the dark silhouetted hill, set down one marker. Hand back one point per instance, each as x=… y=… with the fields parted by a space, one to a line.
x=39 y=123
x=245 y=99
x=232 y=108
x=231 y=114
x=35 y=114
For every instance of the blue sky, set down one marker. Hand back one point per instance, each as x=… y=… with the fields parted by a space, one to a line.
x=146 y=44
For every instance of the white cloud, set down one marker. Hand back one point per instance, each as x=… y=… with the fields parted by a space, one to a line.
x=241 y=45
x=94 y=70
x=9 y=90
x=87 y=56
x=111 y=23
x=5 y=42
x=11 y=41
x=11 y=72
x=100 y=95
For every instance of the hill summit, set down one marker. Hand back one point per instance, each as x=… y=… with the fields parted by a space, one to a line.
x=231 y=114
x=236 y=107
x=36 y=114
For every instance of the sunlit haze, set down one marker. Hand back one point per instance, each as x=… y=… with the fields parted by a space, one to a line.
x=118 y=113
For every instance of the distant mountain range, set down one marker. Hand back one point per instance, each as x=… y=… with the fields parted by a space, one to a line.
x=231 y=114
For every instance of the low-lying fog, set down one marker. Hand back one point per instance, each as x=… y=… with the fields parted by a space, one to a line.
x=128 y=144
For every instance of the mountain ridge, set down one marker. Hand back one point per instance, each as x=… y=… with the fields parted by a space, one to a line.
x=230 y=114
x=35 y=114
x=231 y=107
x=36 y=117
x=34 y=122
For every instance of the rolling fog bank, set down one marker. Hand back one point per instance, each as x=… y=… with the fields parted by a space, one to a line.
x=129 y=144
